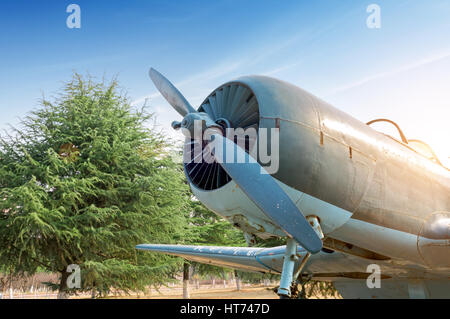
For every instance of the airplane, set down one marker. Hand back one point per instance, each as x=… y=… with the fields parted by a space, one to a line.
x=346 y=197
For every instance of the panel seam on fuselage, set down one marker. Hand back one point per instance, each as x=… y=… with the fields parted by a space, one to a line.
x=318 y=130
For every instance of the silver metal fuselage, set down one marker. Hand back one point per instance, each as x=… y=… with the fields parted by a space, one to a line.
x=367 y=189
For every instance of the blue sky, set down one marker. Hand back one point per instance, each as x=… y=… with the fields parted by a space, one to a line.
x=400 y=71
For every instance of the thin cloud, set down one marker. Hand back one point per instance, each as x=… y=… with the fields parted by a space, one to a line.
x=404 y=68
x=281 y=68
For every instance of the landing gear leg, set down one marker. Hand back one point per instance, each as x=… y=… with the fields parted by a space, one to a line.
x=300 y=278
x=289 y=282
x=290 y=257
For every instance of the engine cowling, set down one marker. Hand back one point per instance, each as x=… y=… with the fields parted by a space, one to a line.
x=320 y=174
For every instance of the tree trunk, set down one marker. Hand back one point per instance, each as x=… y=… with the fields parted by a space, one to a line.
x=62 y=293
x=238 y=280
x=186 y=280
x=10 y=286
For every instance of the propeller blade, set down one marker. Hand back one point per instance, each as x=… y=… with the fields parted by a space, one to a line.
x=171 y=93
x=265 y=192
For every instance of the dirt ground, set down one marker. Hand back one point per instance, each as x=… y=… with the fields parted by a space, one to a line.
x=176 y=292
x=221 y=293
x=248 y=292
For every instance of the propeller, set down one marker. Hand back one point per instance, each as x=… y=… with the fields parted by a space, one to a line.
x=171 y=93
x=250 y=176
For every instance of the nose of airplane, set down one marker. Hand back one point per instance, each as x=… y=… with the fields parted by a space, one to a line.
x=305 y=151
x=289 y=146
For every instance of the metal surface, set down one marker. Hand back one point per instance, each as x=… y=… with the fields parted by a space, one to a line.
x=290 y=257
x=230 y=201
x=379 y=180
x=315 y=224
x=433 y=240
x=384 y=182
x=264 y=191
x=337 y=245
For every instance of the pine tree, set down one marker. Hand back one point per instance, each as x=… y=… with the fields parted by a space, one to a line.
x=209 y=228
x=82 y=181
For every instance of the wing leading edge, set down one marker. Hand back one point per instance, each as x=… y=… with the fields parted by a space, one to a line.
x=268 y=260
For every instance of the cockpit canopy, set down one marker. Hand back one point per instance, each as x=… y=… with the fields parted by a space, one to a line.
x=419 y=146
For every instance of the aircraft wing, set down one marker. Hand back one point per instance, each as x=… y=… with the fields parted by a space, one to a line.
x=348 y=273
x=269 y=260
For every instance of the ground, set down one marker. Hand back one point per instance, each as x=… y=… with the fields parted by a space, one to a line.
x=219 y=293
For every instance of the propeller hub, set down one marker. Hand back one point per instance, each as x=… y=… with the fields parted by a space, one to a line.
x=195 y=124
